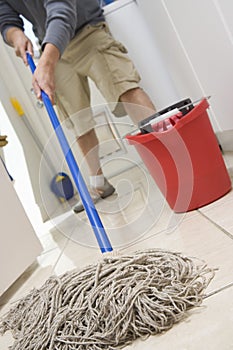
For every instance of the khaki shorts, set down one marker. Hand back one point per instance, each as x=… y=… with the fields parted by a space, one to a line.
x=96 y=54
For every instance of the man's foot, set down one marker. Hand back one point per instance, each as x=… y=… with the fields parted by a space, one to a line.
x=96 y=194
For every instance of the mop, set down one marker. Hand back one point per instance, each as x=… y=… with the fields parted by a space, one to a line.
x=109 y=304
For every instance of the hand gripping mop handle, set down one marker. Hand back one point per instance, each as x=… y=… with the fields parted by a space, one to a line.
x=93 y=216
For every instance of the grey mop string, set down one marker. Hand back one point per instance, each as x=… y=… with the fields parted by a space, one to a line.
x=93 y=216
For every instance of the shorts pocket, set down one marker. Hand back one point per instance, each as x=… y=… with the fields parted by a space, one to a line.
x=113 y=46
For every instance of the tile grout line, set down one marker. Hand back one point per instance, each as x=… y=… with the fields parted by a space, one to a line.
x=214 y=292
x=228 y=234
x=231 y=237
x=59 y=257
x=217 y=225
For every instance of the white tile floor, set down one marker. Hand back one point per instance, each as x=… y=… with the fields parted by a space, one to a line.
x=134 y=220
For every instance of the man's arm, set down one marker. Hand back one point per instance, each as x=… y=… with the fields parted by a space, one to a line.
x=60 y=29
x=11 y=26
x=60 y=23
x=8 y=18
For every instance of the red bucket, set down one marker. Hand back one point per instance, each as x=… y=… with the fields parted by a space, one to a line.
x=185 y=160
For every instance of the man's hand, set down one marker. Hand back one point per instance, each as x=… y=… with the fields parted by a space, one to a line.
x=20 y=42
x=43 y=78
x=3 y=141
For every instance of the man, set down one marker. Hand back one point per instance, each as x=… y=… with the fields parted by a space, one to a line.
x=76 y=44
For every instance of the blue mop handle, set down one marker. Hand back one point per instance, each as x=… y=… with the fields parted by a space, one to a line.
x=101 y=236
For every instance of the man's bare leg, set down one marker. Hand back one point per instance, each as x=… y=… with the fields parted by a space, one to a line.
x=100 y=187
x=137 y=104
x=89 y=145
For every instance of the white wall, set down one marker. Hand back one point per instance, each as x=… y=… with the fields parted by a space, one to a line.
x=15 y=81
x=19 y=244
x=195 y=39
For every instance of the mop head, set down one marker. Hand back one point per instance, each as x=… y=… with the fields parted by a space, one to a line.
x=109 y=304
